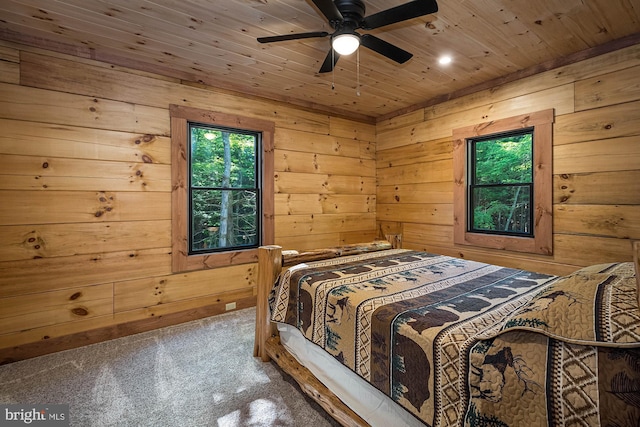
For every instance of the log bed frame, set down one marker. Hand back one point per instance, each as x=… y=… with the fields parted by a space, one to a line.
x=271 y=261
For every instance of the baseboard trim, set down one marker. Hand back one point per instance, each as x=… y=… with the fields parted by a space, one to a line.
x=67 y=342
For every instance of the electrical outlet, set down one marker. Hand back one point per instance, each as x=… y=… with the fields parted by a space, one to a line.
x=230 y=306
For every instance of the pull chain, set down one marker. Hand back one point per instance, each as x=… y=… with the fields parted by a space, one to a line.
x=358 y=72
x=333 y=70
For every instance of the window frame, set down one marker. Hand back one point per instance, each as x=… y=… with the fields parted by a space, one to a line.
x=472 y=146
x=542 y=206
x=181 y=116
x=256 y=188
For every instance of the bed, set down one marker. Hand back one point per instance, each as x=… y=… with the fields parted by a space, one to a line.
x=381 y=336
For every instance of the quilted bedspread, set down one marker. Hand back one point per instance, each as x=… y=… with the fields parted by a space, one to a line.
x=459 y=342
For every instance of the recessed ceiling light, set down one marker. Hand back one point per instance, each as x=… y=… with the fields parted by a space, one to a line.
x=444 y=60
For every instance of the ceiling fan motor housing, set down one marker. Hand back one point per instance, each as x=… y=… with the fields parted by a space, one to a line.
x=352 y=12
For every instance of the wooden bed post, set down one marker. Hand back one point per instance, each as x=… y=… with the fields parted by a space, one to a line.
x=395 y=240
x=270 y=265
x=635 y=244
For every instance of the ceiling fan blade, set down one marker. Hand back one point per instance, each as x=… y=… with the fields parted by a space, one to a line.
x=384 y=48
x=330 y=61
x=292 y=37
x=410 y=10
x=328 y=9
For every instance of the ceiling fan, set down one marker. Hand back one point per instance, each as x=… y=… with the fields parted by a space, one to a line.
x=347 y=16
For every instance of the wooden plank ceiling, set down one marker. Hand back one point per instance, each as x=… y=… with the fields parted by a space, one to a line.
x=214 y=42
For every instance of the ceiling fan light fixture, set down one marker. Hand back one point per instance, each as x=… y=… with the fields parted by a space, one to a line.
x=345 y=44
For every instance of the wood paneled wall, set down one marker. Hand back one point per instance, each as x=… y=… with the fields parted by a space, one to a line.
x=596 y=163
x=85 y=198
x=85 y=187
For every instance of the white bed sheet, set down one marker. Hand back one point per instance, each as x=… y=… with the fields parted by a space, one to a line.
x=363 y=398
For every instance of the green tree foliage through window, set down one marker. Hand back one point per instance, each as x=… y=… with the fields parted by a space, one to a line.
x=501 y=187
x=224 y=190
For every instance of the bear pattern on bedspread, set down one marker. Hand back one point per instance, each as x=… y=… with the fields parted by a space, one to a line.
x=524 y=378
x=381 y=314
x=571 y=354
x=461 y=342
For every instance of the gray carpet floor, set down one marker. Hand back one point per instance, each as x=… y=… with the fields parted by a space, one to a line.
x=200 y=373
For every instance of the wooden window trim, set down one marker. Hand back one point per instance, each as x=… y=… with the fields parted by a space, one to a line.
x=180 y=258
x=542 y=242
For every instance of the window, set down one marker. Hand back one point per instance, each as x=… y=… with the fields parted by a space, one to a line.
x=222 y=192
x=503 y=184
